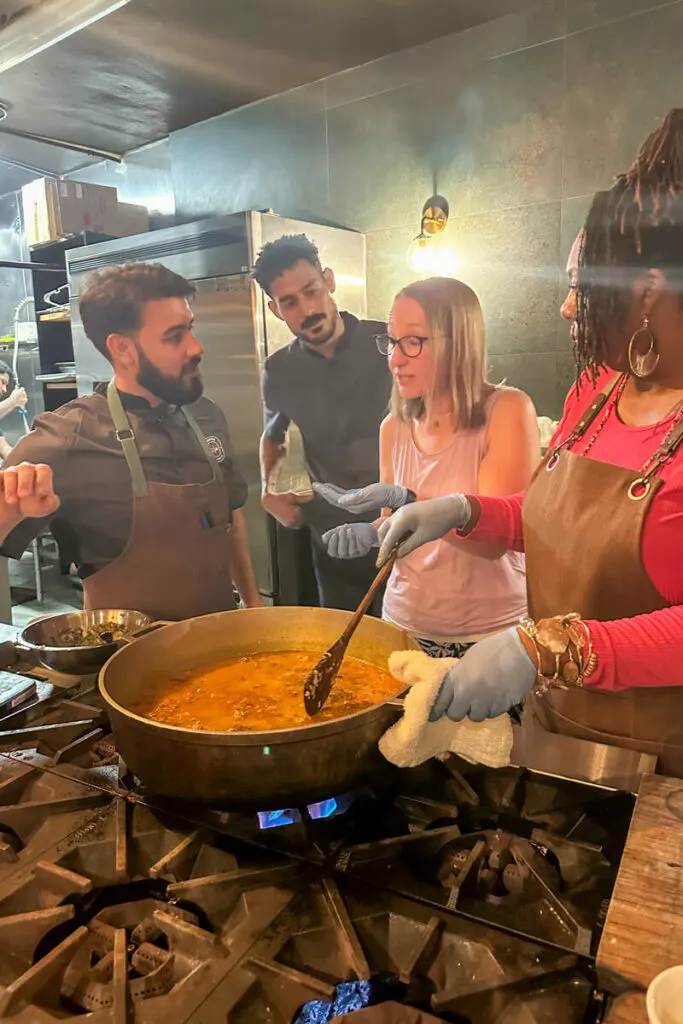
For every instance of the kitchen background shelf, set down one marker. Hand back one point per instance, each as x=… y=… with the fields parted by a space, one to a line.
x=55 y=343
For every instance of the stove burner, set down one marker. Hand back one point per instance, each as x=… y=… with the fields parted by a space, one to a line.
x=276 y=819
x=157 y=945
x=330 y=808
x=481 y=894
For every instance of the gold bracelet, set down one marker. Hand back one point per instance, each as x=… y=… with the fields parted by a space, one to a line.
x=564 y=651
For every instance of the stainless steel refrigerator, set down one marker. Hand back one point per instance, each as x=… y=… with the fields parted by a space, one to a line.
x=238 y=332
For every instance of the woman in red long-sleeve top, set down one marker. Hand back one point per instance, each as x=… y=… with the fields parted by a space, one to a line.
x=602 y=521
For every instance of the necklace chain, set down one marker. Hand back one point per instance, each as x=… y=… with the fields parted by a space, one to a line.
x=611 y=408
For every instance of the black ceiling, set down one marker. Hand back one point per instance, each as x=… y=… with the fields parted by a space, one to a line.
x=155 y=66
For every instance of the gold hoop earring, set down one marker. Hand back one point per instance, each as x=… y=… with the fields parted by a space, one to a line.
x=643 y=364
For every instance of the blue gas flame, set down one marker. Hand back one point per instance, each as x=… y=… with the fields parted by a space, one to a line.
x=276 y=819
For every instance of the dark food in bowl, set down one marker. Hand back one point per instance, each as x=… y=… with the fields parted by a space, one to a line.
x=92 y=636
x=262 y=692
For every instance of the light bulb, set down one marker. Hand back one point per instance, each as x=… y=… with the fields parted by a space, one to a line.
x=418 y=254
x=432 y=257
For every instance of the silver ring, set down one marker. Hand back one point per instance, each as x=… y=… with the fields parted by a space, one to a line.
x=552 y=462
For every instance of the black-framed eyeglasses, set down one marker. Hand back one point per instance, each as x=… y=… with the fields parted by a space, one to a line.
x=410 y=346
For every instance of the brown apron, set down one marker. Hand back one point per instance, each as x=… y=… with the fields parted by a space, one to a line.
x=177 y=561
x=582 y=537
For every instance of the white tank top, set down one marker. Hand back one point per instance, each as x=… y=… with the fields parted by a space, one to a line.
x=444 y=590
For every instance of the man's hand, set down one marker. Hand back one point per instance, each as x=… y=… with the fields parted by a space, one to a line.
x=19 y=398
x=285 y=507
x=26 y=492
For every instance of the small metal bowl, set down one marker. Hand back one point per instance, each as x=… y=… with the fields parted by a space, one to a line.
x=41 y=638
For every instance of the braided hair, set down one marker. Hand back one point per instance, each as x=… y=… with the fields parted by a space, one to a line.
x=636 y=225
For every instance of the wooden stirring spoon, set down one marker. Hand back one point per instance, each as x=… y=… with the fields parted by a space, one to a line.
x=321 y=678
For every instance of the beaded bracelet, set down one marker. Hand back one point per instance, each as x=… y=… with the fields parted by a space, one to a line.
x=563 y=651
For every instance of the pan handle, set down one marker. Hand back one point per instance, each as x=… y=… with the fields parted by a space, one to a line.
x=151 y=628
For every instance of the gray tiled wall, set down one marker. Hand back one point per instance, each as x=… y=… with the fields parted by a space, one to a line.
x=517 y=122
x=144 y=178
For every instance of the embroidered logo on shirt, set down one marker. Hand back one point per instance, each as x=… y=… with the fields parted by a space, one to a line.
x=217 y=449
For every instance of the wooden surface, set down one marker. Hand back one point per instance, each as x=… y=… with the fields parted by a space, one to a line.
x=643 y=933
x=628 y=1009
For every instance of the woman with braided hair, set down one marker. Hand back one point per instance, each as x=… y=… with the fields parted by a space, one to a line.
x=601 y=523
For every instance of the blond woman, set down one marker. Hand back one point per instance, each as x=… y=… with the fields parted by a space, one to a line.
x=449 y=430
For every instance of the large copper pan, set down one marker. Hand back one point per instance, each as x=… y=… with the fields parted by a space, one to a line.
x=247 y=770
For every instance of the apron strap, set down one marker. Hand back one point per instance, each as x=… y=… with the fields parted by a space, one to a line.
x=588 y=416
x=126 y=438
x=666 y=451
x=194 y=426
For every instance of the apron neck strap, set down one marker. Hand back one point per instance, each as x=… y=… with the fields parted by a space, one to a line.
x=598 y=403
x=126 y=438
x=666 y=451
x=203 y=444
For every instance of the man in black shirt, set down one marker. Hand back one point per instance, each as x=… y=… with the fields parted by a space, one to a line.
x=333 y=383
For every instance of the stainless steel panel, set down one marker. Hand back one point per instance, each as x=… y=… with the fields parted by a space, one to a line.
x=224 y=326
x=569 y=758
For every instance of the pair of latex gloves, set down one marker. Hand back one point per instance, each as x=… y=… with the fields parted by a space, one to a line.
x=493 y=676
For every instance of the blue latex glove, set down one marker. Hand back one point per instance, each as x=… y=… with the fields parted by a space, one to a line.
x=491 y=678
x=422 y=522
x=365 y=499
x=352 y=540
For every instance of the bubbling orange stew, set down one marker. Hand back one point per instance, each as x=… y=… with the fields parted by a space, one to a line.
x=263 y=692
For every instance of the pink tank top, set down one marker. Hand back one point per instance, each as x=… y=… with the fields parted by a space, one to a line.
x=445 y=591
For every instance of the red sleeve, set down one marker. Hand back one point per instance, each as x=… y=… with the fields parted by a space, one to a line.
x=500 y=521
x=646 y=650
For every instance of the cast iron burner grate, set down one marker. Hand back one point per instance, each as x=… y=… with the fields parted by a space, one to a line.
x=482 y=892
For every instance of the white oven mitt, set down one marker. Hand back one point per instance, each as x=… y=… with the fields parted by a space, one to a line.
x=414 y=739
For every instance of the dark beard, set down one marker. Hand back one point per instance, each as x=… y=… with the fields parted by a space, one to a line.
x=319 y=339
x=173 y=390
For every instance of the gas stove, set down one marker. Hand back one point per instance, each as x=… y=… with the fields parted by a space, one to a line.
x=476 y=895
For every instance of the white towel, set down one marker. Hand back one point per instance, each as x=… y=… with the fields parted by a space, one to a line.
x=414 y=739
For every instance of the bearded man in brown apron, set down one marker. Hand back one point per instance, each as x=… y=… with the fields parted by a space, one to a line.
x=601 y=655
x=147 y=485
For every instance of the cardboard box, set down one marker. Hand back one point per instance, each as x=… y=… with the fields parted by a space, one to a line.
x=126 y=219
x=56 y=209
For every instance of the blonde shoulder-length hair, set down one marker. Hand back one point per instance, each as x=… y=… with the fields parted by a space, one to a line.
x=455 y=324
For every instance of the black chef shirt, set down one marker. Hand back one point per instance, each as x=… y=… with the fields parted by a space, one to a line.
x=338 y=405
x=92 y=479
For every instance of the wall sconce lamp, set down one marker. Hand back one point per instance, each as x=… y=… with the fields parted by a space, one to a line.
x=433 y=221
x=427 y=254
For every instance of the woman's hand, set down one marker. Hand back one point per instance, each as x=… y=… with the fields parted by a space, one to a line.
x=491 y=678
x=365 y=499
x=19 y=398
x=352 y=540
x=26 y=492
x=422 y=522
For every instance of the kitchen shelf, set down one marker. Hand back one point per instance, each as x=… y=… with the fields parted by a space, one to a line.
x=51 y=379
x=55 y=343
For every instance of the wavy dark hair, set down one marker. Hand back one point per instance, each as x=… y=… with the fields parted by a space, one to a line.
x=635 y=226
